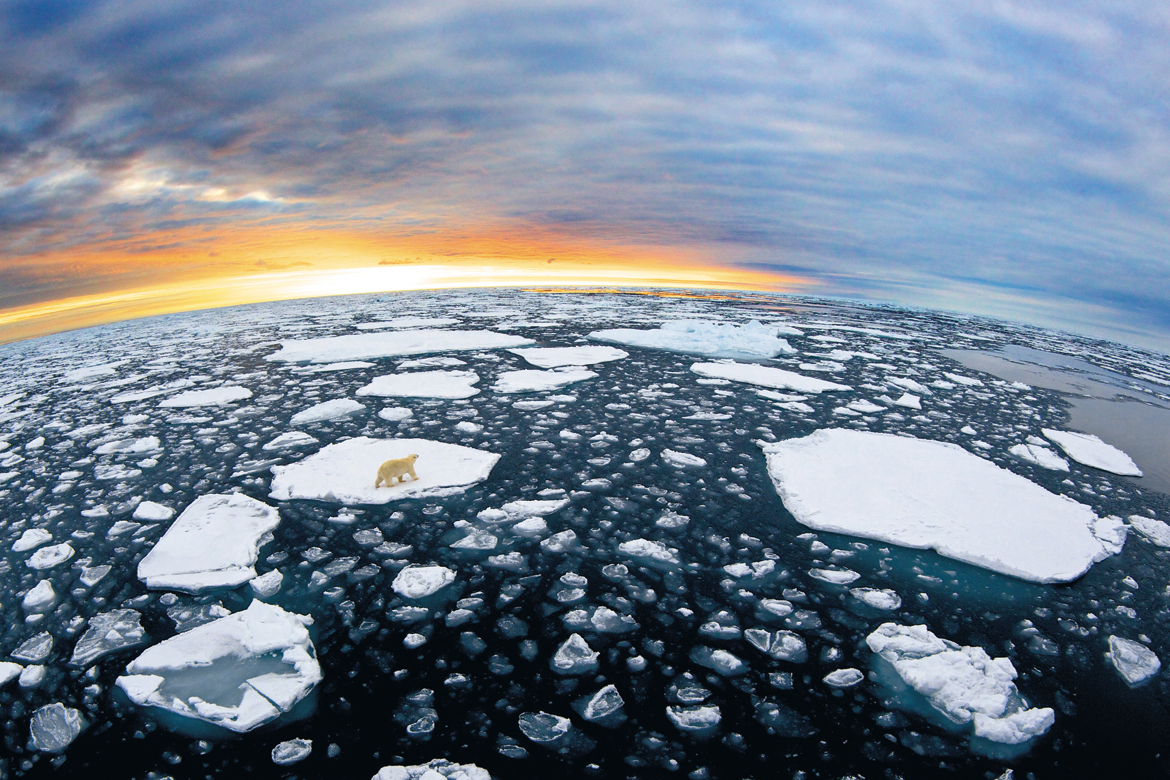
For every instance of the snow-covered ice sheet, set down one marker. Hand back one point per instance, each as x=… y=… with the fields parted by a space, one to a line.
x=927 y=494
x=375 y=345
x=752 y=341
x=1088 y=450
x=964 y=684
x=555 y=357
x=766 y=376
x=214 y=543
x=238 y=672
x=345 y=472
x=531 y=381
x=424 y=384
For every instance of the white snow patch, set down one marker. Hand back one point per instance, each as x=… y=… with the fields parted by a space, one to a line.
x=345 y=472
x=765 y=376
x=424 y=384
x=752 y=341
x=927 y=494
x=238 y=672
x=530 y=381
x=555 y=357
x=1087 y=449
x=214 y=543
x=962 y=683
x=215 y=396
x=375 y=345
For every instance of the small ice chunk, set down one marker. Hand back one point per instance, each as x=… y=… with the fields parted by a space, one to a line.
x=54 y=727
x=214 y=543
x=721 y=661
x=468 y=427
x=35 y=649
x=766 y=376
x=267 y=585
x=108 y=633
x=909 y=401
x=752 y=341
x=639 y=455
x=215 y=396
x=423 y=384
x=438 y=769
x=31 y=539
x=290 y=440
x=238 y=672
x=1154 y=530
x=559 y=542
x=844 y=678
x=32 y=676
x=602 y=704
x=419 y=582
x=9 y=671
x=834 y=576
x=555 y=357
x=544 y=727
x=152 y=512
x=92 y=575
x=883 y=599
x=531 y=381
x=291 y=751
x=1135 y=662
x=413 y=641
x=574 y=656
x=697 y=718
x=130 y=446
x=649 y=551
x=395 y=413
x=1039 y=456
x=1089 y=450
x=41 y=598
x=682 y=459
x=50 y=557
x=327 y=410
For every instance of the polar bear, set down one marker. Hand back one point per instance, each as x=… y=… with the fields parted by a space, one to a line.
x=396 y=468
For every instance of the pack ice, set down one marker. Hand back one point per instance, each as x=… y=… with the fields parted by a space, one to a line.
x=238 y=672
x=964 y=684
x=752 y=341
x=375 y=345
x=345 y=472
x=214 y=543
x=766 y=376
x=531 y=381
x=928 y=494
x=423 y=384
x=1088 y=450
x=555 y=357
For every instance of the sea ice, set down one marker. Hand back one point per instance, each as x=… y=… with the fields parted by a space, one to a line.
x=50 y=557
x=395 y=413
x=327 y=410
x=843 y=678
x=376 y=345
x=291 y=751
x=54 y=727
x=267 y=585
x=765 y=376
x=602 y=704
x=555 y=357
x=419 y=582
x=108 y=632
x=40 y=598
x=928 y=494
x=345 y=472
x=1154 y=530
x=31 y=539
x=214 y=396
x=697 y=718
x=682 y=459
x=962 y=683
x=752 y=341
x=35 y=649
x=544 y=727
x=9 y=671
x=152 y=512
x=1135 y=662
x=531 y=381
x=424 y=384
x=887 y=600
x=214 y=543
x=438 y=769
x=238 y=672
x=1039 y=456
x=1088 y=450
x=574 y=656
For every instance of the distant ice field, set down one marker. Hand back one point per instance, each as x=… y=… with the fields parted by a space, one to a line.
x=766 y=536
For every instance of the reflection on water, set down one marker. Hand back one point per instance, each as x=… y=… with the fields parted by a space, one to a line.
x=1116 y=408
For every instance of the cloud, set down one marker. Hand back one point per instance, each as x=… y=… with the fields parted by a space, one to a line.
x=1008 y=145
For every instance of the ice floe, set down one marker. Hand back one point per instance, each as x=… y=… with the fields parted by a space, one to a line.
x=238 y=672
x=30 y=539
x=50 y=557
x=1154 y=530
x=345 y=472
x=1135 y=662
x=153 y=512
x=928 y=494
x=1039 y=456
x=964 y=684
x=423 y=384
x=214 y=543
x=438 y=769
x=530 y=381
x=1088 y=450
x=290 y=440
x=327 y=410
x=108 y=633
x=420 y=582
x=214 y=396
x=54 y=727
x=555 y=357
x=752 y=341
x=766 y=376
x=375 y=345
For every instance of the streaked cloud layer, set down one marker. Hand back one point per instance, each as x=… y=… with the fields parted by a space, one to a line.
x=1006 y=158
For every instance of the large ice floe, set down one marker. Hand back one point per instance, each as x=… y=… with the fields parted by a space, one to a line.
x=752 y=341
x=439 y=769
x=345 y=472
x=963 y=684
x=214 y=543
x=531 y=381
x=423 y=384
x=1088 y=450
x=374 y=345
x=238 y=672
x=766 y=376
x=929 y=494
x=555 y=357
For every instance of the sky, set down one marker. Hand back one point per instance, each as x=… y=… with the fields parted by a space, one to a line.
x=1001 y=158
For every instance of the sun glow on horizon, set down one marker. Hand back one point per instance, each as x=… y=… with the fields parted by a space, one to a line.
x=56 y=316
